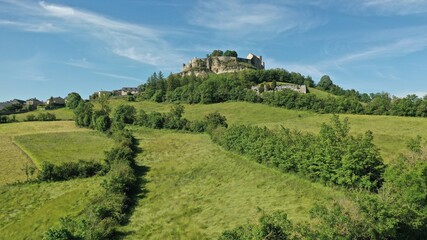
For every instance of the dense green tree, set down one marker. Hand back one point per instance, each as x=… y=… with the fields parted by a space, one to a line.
x=105 y=103
x=83 y=114
x=217 y=53
x=73 y=100
x=125 y=114
x=230 y=53
x=101 y=121
x=325 y=83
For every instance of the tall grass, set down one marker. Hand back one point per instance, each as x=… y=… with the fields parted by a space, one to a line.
x=59 y=148
x=27 y=211
x=195 y=189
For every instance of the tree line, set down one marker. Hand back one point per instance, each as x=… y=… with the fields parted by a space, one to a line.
x=109 y=210
x=332 y=157
x=236 y=87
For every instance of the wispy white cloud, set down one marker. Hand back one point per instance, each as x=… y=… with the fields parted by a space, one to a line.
x=81 y=63
x=133 y=41
x=396 y=7
x=399 y=48
x=117 y=76
x=246 y=17
x=31 y=27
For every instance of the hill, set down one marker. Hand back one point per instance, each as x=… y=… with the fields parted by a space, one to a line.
x=390 y=132
x=195 y=189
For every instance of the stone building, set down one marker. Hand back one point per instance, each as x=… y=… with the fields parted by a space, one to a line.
x=222 y=64
x=293 y=87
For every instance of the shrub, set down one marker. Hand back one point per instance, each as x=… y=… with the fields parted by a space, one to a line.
x=124 y=114
x=120 y=179
x=215 y=120
x=30 y=117
x=46 y=117
x=155 y=120
x=4 y=119
x=69 y=170
x=119 y=154
x=273 y=226
x=101 y=121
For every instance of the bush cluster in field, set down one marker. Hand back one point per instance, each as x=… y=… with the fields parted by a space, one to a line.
x=68 y=170
x=333 y=156
x=397 y=211
x=41 y=117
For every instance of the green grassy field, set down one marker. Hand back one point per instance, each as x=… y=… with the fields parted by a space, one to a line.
x=390 y=132
x=59 y=148
x=320 y=93
x=196 y=189
x=27 y=211
x=61 y=114
x=57 y=141
x=12 y=161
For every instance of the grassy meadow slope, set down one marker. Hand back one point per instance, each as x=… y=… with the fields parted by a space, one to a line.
x=59 y=148
x=12 y=158
x=12 y=161
x=390 y=132
x=195 y=189
x=27 y=211
x=60 y=113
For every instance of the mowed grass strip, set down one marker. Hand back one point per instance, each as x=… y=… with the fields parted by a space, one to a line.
x=27 y=211
x=196 y=189
x=12 y=162
x=24 y=128
x=64 y=147
x=60 y=114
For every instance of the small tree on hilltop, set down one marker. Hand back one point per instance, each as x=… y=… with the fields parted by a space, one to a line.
x=217 y=53
x=325 y=83
x=230 y=53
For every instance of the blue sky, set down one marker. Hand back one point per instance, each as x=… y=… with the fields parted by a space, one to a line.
x=51 y=48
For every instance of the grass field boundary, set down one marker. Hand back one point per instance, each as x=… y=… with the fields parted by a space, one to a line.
x=26 y=153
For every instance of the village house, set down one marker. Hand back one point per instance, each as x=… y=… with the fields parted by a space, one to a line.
x=14 y=102
x=55 y=101
x=33 y=103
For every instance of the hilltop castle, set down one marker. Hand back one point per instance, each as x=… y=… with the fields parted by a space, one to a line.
x=222 y=64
